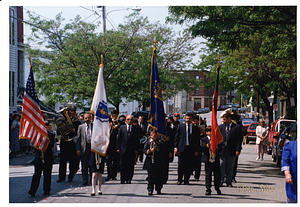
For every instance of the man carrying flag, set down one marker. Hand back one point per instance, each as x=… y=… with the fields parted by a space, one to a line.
x=210 y=144
x=156 y=158
x=216 y=136
x=100 y=133
x=33 y=128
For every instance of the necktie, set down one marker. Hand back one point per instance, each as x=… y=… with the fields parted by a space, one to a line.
x=128 y=131
x=88 y=134
x=227 y=131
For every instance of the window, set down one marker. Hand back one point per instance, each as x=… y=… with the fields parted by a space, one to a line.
x=11 y=88
x=11 y=27
x=197 y=77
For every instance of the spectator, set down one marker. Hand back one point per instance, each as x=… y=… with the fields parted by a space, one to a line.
x=260 y=149
x=15 y=130
x=289 y=168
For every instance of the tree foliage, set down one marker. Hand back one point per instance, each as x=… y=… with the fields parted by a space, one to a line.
x=257 y=44
x=68 y=65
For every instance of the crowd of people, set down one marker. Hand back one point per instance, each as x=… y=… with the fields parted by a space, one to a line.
x=131 y=140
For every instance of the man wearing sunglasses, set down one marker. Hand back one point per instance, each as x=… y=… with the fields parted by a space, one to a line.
x=128 y=146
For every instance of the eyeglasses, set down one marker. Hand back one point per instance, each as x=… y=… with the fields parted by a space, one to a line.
x=129 y=119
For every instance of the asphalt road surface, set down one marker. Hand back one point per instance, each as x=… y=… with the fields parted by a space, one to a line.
x=257 y=182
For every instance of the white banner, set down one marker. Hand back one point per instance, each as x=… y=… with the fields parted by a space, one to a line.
x=100 y=135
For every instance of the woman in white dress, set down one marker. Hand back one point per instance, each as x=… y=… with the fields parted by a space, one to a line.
x=260 y=149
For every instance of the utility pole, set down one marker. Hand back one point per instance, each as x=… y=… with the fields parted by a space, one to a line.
x=104 y=18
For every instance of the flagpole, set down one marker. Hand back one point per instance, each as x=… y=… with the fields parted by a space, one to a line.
x=155 y=42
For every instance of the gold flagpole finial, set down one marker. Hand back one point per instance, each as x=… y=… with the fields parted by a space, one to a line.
x=30 y=62
x=102 y=59
x=155 y=42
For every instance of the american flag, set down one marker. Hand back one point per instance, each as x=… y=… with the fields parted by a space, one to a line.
x=32 y=122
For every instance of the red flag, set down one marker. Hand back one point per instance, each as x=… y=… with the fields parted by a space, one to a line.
x=32 y=125
x=216 y=136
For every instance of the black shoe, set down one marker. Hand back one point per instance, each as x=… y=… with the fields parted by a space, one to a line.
x=179 y=182
x=100 y=193
x=46 y=193
x=150 y=192
x=122 y=182
x=234 y=180
x=159 y=192
x=207 y=192
x=187 y=183
x=31 y=194
x=219 y=192
x=229 y=185
x=93 y=194
x=108 y=178
x=59 y=181
x=114 y=178
x=70 y=180
x=129 y=182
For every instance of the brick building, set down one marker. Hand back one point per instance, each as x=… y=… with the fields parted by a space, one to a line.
x=200 y=97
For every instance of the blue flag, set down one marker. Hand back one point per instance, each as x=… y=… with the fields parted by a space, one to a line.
x=156 y=116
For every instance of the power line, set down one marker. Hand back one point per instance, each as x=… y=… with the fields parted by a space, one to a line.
x=45 y=30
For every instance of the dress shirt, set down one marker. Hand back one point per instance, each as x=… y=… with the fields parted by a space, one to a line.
x=88 y=132
x=188 y=132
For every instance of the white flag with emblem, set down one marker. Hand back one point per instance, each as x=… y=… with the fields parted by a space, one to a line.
x=100 y=134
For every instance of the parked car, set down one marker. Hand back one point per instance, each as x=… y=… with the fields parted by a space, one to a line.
x=223 y=107
x=236 y=105
x=251 y=132
x=246 y=122
x=206 y=109
x=201 y=111
x=284 y=137
x=243 y=109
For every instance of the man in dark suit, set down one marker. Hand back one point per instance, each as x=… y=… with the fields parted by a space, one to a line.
x=43 y=163
x=212 y=164
x=113 y=158
x=83 y=146
x=169 y=147
x=230 y=147
x=143 y=128
x=186 y=145
x=128 y=146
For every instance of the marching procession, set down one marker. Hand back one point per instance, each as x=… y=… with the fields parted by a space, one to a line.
x=100 y=139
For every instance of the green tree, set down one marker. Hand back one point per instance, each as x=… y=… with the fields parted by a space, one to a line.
x=257 y=43
x=67 y=68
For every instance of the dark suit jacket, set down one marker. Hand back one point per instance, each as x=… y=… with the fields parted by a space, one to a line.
x=205 y=156
x=234 y=141
x=81 y=140
x=180 y=138
x=125 y=143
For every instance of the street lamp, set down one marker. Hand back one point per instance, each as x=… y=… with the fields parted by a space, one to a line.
x=104 y=14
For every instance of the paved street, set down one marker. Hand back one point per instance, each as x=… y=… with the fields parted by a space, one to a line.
x=257 y=182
